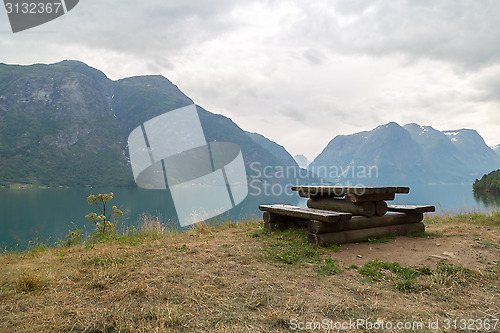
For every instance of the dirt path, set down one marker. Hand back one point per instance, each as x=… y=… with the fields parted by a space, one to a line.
x=471 y=247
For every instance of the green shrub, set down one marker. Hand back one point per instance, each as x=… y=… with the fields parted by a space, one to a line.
x=72 y=238
x=488 y=183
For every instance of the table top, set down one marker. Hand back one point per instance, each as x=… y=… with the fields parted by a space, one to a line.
x=340 y=191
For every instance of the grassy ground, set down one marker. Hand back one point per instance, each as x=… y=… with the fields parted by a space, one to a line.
x=241 y=278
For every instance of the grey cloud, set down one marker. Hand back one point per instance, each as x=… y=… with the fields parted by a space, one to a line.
x=353 y=7
x=488 y=86
x=314 y=57
x=293 y=112
x=464 y=32
x=148 y=29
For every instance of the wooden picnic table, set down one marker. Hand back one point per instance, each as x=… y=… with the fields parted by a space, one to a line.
x=359 y=200
x=347 y=214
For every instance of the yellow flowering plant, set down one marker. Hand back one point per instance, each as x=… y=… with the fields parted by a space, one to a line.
x=103 y=223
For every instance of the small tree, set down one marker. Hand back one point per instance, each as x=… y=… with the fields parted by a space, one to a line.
x=103 y=223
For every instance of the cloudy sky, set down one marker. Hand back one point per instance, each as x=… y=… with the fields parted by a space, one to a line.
x=299 y=72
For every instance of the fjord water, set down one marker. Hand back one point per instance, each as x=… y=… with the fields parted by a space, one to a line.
x=47 y=215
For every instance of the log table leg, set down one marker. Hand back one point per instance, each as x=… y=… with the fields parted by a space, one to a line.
x=362 y=222
x=380 y=208
x=356 y=208
x=351 y=236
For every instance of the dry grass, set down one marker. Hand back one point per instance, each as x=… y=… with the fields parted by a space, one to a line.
x=229 y=278
x=469 y=216
x=149 y=223
x=29 y=281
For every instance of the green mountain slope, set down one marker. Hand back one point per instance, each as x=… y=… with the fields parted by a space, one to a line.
x=57 y=127
x=277 y=150
x=67 y=124
x=488 y=183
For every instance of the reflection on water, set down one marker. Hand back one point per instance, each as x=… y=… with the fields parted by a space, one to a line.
x=490 y=200
x=446 y=198
x=49 y=214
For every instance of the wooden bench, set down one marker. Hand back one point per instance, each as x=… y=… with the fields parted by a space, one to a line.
x=411 y=209
x=306 y=213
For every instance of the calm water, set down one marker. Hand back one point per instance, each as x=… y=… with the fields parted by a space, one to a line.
x=48 y=214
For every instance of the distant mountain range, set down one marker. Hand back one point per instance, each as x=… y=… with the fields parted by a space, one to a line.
x=392 y=154
x=67 y=124
x=302 y=161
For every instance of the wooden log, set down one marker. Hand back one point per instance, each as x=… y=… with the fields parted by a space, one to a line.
x=380 y=208
x=352 y=236
x=319 y=194
x=370 y=197
x=362 y=222
x=403 y=190
x=278 y=218
x=303 y=194
x=341 y=205
x=411 y=209
x=339 y=191
x=399 y=189
x=321 y=191
x=307 y=213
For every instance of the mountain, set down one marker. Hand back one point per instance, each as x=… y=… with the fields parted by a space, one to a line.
x=496 y=149
x=387 y=153
x=302 y=161
x=57 y=127
x=291 y=171
x=474 y=153
x=67 y=124
x=275 y=149
x=391 y=154
x=439 y=152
